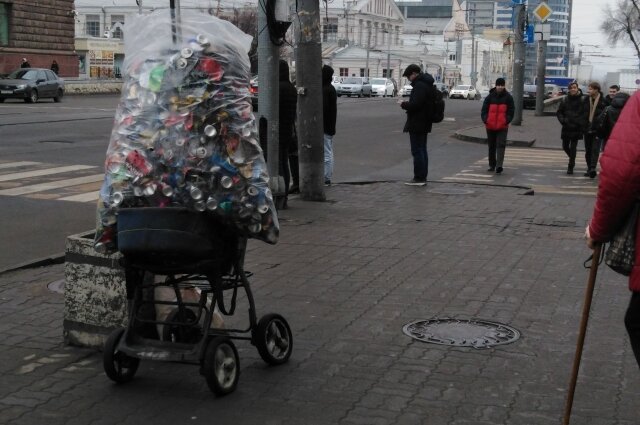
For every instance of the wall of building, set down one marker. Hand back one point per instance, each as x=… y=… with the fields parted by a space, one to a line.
x=40 y=31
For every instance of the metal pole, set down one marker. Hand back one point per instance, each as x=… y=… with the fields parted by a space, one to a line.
x=473 y=56
x=542 y=70
x=518 y=64
x=310 y=118
x=388 y=53
x=139 y=7
x=268 y=101
x=368 y=47
x=588 y=296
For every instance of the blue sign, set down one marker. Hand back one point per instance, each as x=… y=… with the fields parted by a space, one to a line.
x=559 y=81
x=518 y=1
x=528 y=36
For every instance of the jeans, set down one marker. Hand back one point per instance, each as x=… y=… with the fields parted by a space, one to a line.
x=570 y=147
x=497 y=141
x=328 y=157
x=591 y=150
x=420 y=156
x=632 y=323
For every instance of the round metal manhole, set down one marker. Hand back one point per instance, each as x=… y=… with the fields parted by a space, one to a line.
x=57 y=286
x=451 y=191
x=476 y=333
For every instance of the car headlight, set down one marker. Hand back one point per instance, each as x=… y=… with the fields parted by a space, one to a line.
x=21 y=86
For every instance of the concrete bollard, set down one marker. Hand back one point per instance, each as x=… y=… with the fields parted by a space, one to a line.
x=95 y=300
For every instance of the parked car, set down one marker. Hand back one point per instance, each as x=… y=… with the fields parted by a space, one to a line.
x=379 y=87
x=463 y=92
x=443 y=88
x=529 y=94
x=351 y=86
x=335 y=82
x=406 y=90
x=32 y=84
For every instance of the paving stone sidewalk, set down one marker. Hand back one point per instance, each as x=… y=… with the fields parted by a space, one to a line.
x=348 y=274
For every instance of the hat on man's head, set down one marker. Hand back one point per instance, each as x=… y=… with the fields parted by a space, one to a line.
x=500 y=82
x=411 y=69
x=24 y=59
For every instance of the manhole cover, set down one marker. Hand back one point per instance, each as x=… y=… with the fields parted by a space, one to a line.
x=451 y=191
x=57 y=286
x=474 y=333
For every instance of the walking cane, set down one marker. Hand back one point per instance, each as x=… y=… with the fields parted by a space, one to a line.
x=588 y=296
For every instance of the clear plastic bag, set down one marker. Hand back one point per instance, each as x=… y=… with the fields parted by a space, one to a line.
x=184 y=133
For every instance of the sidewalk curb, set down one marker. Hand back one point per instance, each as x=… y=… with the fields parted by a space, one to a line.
x=475 y=139
x=38 y=262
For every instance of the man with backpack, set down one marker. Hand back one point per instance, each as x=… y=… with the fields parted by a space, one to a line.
x=497 y=112
x=420 y=109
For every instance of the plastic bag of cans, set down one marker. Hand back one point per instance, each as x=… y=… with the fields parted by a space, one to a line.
x=184 y=133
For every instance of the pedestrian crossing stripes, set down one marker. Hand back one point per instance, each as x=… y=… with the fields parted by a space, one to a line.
x=542 y=170
x=39 y=180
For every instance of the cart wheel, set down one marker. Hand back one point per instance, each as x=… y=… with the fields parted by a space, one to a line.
x=273 y=339
x=221 y=365
x=118 y=366
x=176 y=333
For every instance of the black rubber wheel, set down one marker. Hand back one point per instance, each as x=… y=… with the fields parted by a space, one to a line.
x=183 y=334
x=221 y=366
x=33 y=98
x=59 y=95
x=118 y=366
x=273 y=339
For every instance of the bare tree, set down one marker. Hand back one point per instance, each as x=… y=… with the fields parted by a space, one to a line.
x=622 y=23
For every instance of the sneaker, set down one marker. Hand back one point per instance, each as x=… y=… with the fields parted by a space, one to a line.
x=416 y=182
x=499 y=170
x=592 y=174
x=327 y=182
x=491 y=169
x=294 y=190
x=587 y=173
x=569 y=170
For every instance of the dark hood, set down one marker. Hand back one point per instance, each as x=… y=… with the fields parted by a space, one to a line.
x=495 y=92
x=284 y=70
x=619 y=100
x=327 y=74
x=425 y=78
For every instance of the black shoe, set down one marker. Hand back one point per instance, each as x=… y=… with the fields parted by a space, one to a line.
x=294 y=190
x=587 y=173
x=416 y=182
x=327 y=182
x=491 y=169
x=592 y=174
x=569 y=169
x=499 y=170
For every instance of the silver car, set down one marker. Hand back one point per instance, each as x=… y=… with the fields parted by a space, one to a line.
x=351 y=86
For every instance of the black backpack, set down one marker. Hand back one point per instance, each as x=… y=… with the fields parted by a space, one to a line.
x=437 y=108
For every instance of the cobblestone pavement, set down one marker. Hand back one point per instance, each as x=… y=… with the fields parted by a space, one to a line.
x=348 y=274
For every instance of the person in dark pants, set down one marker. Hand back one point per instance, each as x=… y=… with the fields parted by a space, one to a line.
x=497 y=112
x=330 y=114
x=287 y=112
x=607 y=120
x=572 y=114
x=618 y=191
x=594 y=103
x=418 y=125
x=54 y=67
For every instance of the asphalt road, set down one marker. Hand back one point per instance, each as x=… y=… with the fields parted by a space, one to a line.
x=38 y=139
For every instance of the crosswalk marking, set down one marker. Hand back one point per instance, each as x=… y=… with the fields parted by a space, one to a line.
x=17 y=164
x=23 y=190
x=82 y=197
x=44 y=172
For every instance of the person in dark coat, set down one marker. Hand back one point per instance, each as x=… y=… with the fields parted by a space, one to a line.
x=618 y=191
x=572 y=114
x=25 y=63
x=497 y=112
x=54 y=67
x=609 y=117
x=418 y=124
x=330 y=114
x=594 y=103
x=287 y=116
x=613 y=91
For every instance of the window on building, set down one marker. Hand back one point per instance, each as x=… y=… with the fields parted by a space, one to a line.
x=116 y=30
x=5 y=12
x=330 y=30
x=387 y=73
x=344 y=72
x=92 y=26
x=362 y=74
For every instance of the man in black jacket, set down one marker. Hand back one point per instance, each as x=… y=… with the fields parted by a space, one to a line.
x=287 y=115
x=573 y=116
x=418 y=125
x=330 y=113
x=594 y=105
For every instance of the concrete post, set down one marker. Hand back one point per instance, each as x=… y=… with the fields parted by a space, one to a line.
x=518 y=64
x=542 y=70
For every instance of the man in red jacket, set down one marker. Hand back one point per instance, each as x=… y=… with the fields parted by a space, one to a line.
x=497 y=113
x=618 y=190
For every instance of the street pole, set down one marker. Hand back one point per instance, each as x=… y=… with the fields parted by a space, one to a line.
x=310 y=118
x=268 y=101
x=518 y=64
x=368 y=47
x=473 y=56
x=542 y=70
x=388 y=54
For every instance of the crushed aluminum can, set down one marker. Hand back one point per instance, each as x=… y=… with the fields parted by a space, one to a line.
x=186 y=52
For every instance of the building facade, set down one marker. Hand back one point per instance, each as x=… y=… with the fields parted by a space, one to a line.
x=40 y=31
